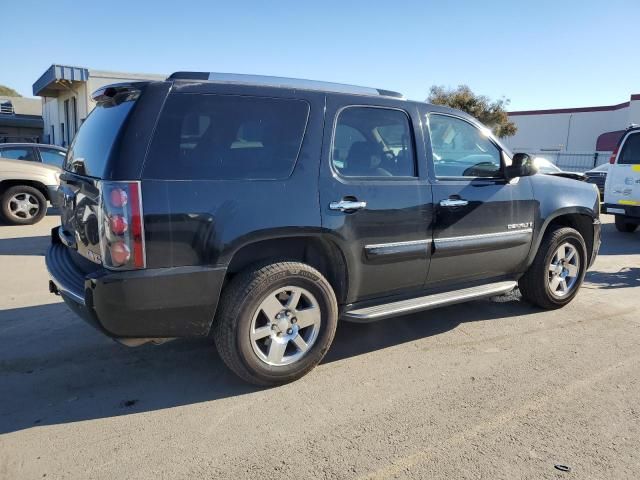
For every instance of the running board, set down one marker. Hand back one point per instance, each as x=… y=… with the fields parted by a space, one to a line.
x=403 y=307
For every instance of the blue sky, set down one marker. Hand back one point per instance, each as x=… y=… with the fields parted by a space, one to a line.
x=540 y=54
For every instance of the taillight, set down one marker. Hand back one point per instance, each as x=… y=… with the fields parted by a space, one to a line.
x=614 y=154
x=121 y=225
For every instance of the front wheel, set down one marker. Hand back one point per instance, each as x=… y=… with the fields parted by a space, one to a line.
x=276 y=322
x=557 y=271
x=623 y=226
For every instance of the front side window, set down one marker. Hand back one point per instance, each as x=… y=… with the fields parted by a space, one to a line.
x=462 y=150
x=18 y=153
x=53 y=157
x=630 y=154
x=227 y=137
x=373 y=142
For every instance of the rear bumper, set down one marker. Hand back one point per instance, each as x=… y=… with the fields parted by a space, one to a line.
x=150 y=303
x=632 y=212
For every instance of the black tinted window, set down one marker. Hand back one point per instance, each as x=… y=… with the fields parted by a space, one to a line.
x=373 y=142
x=227 y=137
x=631 y=150
x=18 y=153
x=94 y=141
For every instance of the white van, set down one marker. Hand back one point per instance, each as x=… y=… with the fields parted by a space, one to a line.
x=622 y=188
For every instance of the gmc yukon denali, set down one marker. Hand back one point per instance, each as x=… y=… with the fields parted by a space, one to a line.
x=261 y=210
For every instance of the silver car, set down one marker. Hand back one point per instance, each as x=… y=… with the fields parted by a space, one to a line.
x=25 y=189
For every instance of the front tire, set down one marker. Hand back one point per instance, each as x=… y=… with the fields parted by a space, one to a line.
x=623 y=226
x=275 y=322
x=23 y=205
x=557 y=272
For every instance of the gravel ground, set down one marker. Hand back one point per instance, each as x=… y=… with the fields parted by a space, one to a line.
x=490 y=389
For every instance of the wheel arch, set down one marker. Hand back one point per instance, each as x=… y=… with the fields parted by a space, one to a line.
x=314 y=249
x=41 y=187
x=578 y=218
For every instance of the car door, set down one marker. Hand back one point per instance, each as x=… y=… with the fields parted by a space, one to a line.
x=483 y=223
x=375 y=200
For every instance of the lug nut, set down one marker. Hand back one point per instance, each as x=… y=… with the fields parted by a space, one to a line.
x=294 y=320
x=289 y=331
x=273 y=327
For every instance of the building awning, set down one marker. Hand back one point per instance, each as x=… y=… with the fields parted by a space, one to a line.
x=57 y=78
x=23 y=121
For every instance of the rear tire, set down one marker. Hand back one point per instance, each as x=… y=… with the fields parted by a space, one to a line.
x=623 y=226
x=275 y=322
x=23 y=205
x=557 y=272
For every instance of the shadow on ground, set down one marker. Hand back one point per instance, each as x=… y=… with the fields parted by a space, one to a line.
x=627 y=277
x=56 y=369
x=25 y=245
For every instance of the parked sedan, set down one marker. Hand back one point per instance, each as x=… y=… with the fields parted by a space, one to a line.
x=598 y=176
x=548 y=168
x=34 y=152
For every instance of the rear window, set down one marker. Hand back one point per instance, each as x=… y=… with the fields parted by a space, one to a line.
x=224 y=137
x=630 y=154
x=92 y=145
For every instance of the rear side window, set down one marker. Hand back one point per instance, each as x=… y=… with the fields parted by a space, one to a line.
x=53 y=157
x=92 y=145
x=373 y=142
x=630 y=154
x=225 y=137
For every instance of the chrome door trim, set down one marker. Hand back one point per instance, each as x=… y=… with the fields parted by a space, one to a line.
x=483 y=236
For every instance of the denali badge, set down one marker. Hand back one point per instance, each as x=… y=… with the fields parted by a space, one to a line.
x=515 y=226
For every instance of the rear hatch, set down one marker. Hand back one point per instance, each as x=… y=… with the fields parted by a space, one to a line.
x=87 y=163
x=623 y=180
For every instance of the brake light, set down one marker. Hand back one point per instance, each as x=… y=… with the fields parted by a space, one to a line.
x=614 y=154
x=121 y=226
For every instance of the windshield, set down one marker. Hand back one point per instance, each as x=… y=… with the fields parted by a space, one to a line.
x=94 y=141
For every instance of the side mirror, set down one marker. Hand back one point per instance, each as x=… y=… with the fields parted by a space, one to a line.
x=522 y=165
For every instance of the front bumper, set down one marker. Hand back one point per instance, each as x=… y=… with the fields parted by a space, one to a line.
x=149 y=303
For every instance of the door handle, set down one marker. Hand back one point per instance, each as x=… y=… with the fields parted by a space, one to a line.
x=346 y=205
x=453 y=202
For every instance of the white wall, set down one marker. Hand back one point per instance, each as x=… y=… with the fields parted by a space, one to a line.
x=570 y=131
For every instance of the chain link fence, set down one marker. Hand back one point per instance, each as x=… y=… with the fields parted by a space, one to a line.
x=574 y=161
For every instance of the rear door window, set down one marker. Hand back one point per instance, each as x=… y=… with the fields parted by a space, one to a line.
x=225 y=137
x=19 y=153
x=630 y=154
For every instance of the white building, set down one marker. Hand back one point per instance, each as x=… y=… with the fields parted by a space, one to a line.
x=66 y=97
x=586 y=130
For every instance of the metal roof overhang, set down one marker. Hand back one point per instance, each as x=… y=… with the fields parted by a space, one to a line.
x=24 y=121
x=52 y=81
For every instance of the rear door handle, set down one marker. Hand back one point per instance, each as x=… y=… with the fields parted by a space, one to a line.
x=347 y=205
x=453 y=202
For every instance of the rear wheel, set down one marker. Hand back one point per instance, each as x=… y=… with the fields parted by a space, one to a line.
x=23 y=205
x=275 y=322
x=623 y=226
x=557 y=271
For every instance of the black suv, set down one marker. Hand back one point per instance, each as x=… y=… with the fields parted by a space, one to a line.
x=260 y=210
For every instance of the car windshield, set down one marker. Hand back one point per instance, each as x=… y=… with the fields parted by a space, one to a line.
x=545 y=166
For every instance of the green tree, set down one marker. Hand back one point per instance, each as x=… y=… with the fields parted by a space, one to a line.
x=8 y=92
x=491 y=113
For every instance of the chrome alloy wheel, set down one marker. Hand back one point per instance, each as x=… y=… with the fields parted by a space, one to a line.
x=564 y=270
x=285 y=326
x=24 y=206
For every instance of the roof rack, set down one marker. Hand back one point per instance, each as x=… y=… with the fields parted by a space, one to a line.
x=270 y=81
